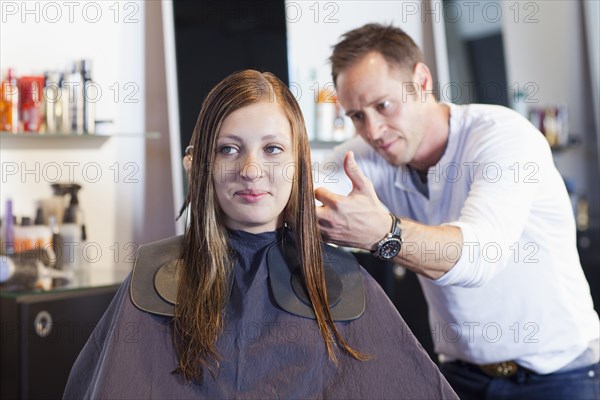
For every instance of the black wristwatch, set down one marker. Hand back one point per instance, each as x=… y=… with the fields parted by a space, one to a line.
x=390 y=245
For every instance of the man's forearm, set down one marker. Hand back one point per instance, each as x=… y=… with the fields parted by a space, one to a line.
x=430 y=251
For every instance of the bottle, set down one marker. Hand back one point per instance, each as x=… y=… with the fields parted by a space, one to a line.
x=72 y=231
x=74 y=210
x=57 y=243
x=7 y=268
x=52 y=102
x=43 y=233
x=25 y=236
x=9 y=104
x=75 y=85
x=71 y=242
x=30 y=88
x=57 y=204
x=89 y=100
x=64 y=120
x=519 y=104
x=562 y=122
x=550 y=127
x=326 y=115
x=9 y=242
x=341 y=128
x=582 y=218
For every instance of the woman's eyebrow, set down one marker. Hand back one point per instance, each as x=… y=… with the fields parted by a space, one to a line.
x=239 y=139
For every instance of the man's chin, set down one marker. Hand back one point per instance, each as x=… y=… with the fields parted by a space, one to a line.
x=392 y=159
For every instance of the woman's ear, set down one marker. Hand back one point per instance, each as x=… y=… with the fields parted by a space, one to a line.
x=187 y=165
x=187 y=160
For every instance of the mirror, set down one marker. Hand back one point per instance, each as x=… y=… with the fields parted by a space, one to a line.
x=475 y=53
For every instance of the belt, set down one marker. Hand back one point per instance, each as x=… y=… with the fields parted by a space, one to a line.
x=504 y=369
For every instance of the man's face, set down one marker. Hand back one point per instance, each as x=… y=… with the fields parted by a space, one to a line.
x=386 y=106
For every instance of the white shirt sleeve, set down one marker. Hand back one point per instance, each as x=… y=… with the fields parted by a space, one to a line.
x=511 y=165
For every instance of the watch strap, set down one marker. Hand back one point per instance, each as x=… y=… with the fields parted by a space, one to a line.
x=395 y=232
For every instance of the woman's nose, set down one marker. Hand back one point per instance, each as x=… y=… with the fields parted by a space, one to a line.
x=251 y=169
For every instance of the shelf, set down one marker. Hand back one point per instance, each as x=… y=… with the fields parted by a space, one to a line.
x=84 y=278
x=319 y=144
x=58 y=135
x=32 y=140
x=572 y=142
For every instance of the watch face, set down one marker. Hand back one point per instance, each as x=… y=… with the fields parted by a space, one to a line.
x=390 y=248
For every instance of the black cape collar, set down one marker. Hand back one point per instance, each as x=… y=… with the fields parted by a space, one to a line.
x=155 y=278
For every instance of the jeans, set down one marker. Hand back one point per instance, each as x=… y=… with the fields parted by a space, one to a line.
x=470 y=383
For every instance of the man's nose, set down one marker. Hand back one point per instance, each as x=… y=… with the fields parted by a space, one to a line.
x=374 y=128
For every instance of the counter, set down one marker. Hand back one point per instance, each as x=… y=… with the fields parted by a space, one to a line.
x=42 y=332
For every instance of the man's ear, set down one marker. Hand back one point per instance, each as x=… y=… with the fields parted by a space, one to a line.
x=422 y=76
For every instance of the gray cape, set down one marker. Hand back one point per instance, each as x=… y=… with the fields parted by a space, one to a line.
x=266 y=352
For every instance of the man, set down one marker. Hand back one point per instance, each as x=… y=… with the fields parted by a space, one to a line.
x=478 y=210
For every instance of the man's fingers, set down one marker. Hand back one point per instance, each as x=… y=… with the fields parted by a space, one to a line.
x=326 y=196
x=322 y=217
x=358 y=179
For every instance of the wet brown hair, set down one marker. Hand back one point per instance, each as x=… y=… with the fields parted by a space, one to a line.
x=207 y=260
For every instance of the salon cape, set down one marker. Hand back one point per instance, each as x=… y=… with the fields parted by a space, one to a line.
x=266 y=352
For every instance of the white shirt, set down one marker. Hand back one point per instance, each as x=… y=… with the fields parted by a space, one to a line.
x=518 y=291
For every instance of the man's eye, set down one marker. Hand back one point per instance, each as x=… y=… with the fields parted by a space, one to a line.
x=385 y=105
x=356 y=117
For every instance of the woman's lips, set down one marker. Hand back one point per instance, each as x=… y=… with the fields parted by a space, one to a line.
x=251 y=196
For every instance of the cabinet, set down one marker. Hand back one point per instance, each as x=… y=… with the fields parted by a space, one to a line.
x=42 y=334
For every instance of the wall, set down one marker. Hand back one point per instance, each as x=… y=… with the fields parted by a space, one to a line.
x=38 y=36
x=591 y=10
x=545 y=46
x=463 y=22
x=158 y=199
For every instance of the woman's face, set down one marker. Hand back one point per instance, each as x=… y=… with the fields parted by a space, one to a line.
x=254 y=167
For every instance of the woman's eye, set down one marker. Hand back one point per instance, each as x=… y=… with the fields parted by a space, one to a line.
x=273 y=149
x=228 y=150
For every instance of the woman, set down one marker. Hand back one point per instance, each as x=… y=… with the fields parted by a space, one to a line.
x=249 y=303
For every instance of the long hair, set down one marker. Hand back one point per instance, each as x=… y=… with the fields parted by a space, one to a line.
x=207 y=261
x=396 y=47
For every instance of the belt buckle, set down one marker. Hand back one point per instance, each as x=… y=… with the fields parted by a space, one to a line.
x=504 y=369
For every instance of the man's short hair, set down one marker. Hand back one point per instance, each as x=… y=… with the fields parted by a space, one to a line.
x=396 y=47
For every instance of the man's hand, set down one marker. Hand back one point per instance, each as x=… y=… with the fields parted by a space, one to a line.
x=357 y=220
